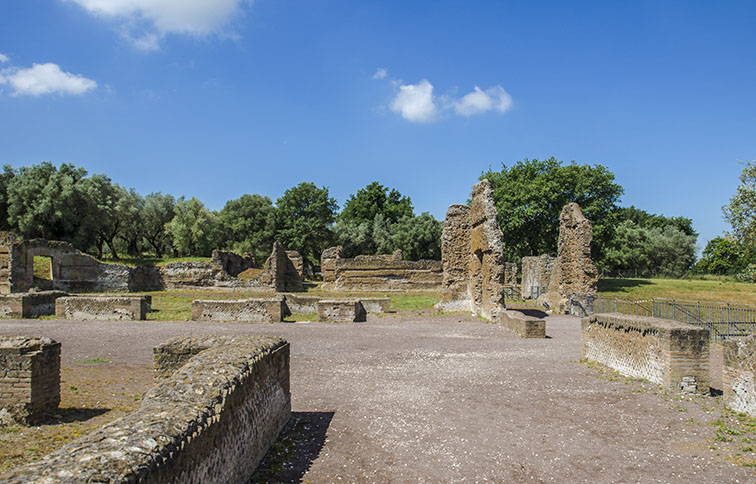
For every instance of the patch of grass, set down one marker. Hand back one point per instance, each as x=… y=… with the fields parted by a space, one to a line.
x=42 y=267
x=400 y=302
x=93 y=360
x=298 y=317
x=151 y=261
x=703 y=290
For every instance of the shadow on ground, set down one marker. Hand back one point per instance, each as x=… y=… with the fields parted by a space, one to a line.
x=620 y=285
x=299 y=444
x=73 y=414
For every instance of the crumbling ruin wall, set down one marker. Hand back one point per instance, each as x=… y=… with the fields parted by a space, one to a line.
x=672 y=354
x=573 y=288
x=29 y=378
x=197 y=425
x=102 y=308
x=536 y=275
x=29 y=304
x=472 y=240
x=386 y=272
x=72 y=270
x=739 y=374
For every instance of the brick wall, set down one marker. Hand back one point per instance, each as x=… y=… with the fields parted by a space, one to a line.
x=29 y=378
x=102 y=308
x=738 y=372
x=264 y=310
x=674 y=355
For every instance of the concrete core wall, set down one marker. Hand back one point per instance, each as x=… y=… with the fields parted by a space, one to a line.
x=739 y=374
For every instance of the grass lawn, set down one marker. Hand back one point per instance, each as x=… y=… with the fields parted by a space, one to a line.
x=701 y=290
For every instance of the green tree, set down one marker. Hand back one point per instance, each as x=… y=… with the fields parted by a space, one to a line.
x=5 y=178
x=374 y=199
x=130 y=208
x=249 y=225
x=418 y=237
x=671 y=252
x=157 y=213
x=304 y=216
x=194 y=229
x=740 y=212
x=530 y=195
x=649 y=220
x=721 y=256
x=52 y=203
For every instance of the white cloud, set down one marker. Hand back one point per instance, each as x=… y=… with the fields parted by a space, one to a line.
x=3 y=58
x=479 y=101
x=44 y=79
x=380 y=73
x=146 y=22
x=415 y=102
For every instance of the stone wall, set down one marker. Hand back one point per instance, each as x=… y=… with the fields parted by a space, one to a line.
x=523 y=325
x=739 y=374
x=536 y=272
x=341 y=311
x=253 y=310
x=672 y=354
x=29 y=378
x=472 y=249
x=577 y=277
x=378 y=273
x=29 y=304
x=211 y=421
x=102 y=308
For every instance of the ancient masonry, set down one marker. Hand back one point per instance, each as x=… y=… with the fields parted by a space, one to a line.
x=472 y=252
x=536 y=275
x=309 y=304
x=254 y=310
x=739 y=373
x=220 y=404
x=577 y=278
x=102 y=308
x=378 y=272
x=29 y=379
x=672 y=354
x=74 y=271
x=341 y=311
x=29 y=304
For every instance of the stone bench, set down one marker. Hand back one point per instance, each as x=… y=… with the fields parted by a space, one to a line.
x=669 y=353
x=523 y=325
x=102 y=308
x=738 y=372
x=29 y=378
x=253 y=310
x=341 y=311
x=29 y=304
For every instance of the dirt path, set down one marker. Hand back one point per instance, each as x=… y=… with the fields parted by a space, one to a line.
x=432 y=399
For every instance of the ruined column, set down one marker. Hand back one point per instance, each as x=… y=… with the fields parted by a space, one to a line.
x=455 y=257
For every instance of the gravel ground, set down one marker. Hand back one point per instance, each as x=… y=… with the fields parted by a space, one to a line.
x=418 y=398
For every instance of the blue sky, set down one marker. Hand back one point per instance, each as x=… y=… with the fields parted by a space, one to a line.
x=217 y=98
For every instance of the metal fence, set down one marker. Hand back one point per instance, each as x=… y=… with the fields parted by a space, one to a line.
x=723 y=320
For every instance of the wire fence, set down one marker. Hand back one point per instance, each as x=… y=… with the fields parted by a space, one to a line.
x=723 y=320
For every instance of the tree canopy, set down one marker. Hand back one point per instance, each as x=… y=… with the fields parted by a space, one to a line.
x=376 y=199
x=304 y=215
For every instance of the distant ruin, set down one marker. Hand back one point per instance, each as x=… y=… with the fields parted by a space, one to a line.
x=536 y=275
x=472 y=251
x=75 y=271
x=378 y=272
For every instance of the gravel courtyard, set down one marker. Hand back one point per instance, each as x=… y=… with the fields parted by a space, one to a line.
x=416 y=397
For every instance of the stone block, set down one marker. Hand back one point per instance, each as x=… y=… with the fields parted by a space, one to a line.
x=376 y=304
x=101 y=308
x=739 y=374
x=253 y=310
x=523 y=325
x=341 y=311
x=672 y=354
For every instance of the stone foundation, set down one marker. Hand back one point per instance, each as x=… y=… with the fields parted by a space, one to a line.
x=341 y=311
x=211 y=421
x=102 y=308
x=738 y=374
x=29 y=378
x=523 y=325
x=29 y=304
x=251 y=310
x=672 y=354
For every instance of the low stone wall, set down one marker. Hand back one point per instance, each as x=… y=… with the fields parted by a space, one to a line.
x=302 y=304
x=29 y=304
x=379 y=273
x=739 y=374
x=253 y=310
x=672 y=354
x=341 y=311
x=29 y=378
x=102 y=308
x=211 y=421
x=523 y=325
x=376 y=304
